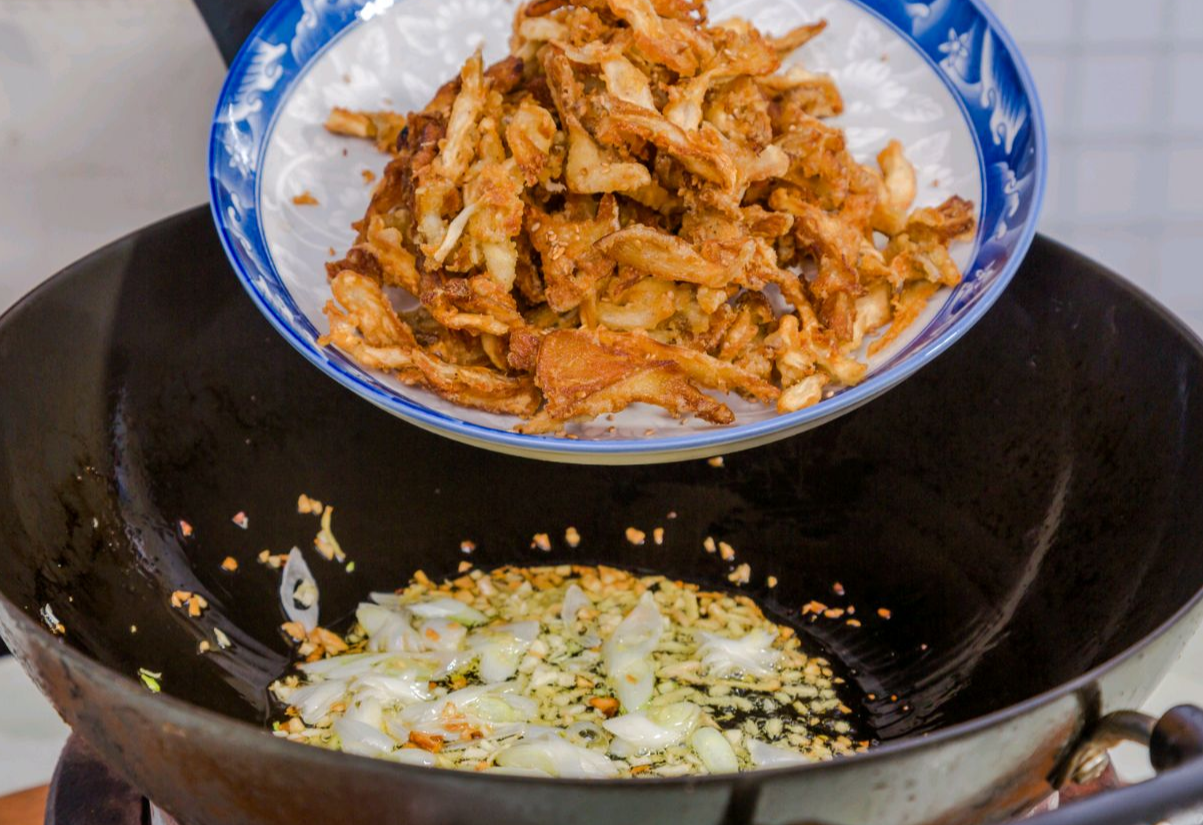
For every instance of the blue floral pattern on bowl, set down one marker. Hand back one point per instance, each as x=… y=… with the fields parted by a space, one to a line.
x=960 y=41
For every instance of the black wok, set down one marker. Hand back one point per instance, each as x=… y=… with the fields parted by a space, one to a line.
x=1028 y=508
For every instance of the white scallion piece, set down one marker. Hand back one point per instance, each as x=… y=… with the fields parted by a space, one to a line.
x=575 y=601
x=408 y=687
x=555 y=757
x=388 y=629
x=442 y=634
x=449 y=609
x=366 y=709
x=298 y=592
x=753 y=654
x=654 y=729
x=501 y=648
x=362 y=739
x=628 y=650
x=765 y=755
x=714 y=750
x=314 y=701
x=414 y=756
x=344 y=666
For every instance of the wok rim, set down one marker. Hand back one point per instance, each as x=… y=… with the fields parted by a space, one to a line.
x=243 y=734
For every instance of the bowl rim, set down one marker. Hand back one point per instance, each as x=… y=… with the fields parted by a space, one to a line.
x=707 y=442
x=240 y=732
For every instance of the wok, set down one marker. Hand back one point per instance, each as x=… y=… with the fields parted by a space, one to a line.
x=1028 y=508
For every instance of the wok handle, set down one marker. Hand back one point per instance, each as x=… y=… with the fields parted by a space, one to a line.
x=231 y=22
x=1173 y=740
x=1177 y=738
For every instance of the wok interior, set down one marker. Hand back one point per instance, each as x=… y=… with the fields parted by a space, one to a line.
x=1025 y=508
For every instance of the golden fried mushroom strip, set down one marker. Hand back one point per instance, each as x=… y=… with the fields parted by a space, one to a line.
x=588 y=170
x=662 y=255
x=872 y=312
x=645 y=305
x=382 y=127
x=397 y=264
x=539 y=8
x=460 y=146
x=496 y=220
x=626 y=82
x=950 y=221
x=742 y=50
x=921 y=252
x=368 y=329
x=344 y=334
x=681 y=9
x=836 y=246
x=479 y=387
x=701 y=368
x=795 y=39
x=350 y=123
x=685 y=102
x=741 y=111
x=820 y=164
x=368 y=307
x=623 y=79
x=593 y=222
x=798 y=92
x=665 y=41
x=436 y=194
x=813 y=347
x=900 y=188
x=908 y=306
x=700 y=152
x=806 y=393
x=582 y=377
x=827 y=354
x=572 y=263
x=478 y=304
x=751 y=314
x=795 y=359
x=530 y=134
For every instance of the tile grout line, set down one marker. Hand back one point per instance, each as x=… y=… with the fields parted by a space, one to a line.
x=1066 y=163
x=1124 y=48
x=1156 y=165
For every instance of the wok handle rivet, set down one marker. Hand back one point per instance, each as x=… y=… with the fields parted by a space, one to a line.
x=1090 y=758
x=1091 y=764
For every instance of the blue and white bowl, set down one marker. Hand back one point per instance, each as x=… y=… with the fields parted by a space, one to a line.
x=942 y=76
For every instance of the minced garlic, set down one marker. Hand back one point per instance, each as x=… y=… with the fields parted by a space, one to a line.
x=568 y=671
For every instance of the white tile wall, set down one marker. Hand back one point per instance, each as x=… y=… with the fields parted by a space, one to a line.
x=105 y=104
x=1185 y=191
x=1038 y=23
x=1122 y=85
x=1189 y=21
x=1122 y=22
x=1108 y=181
x=1116 y=98
x=1186 y=111
x=104 y=113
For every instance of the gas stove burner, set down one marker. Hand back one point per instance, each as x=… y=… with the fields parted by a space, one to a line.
x=85 y=791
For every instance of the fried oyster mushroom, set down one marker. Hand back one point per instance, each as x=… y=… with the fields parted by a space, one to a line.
x=608 y=216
